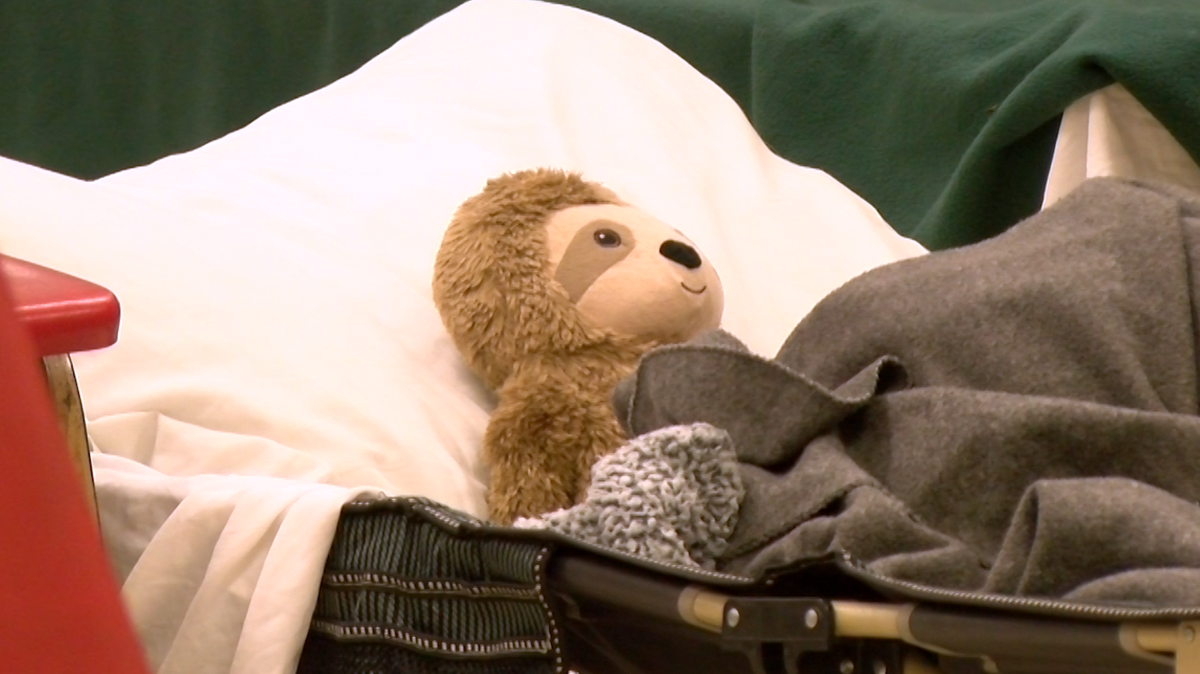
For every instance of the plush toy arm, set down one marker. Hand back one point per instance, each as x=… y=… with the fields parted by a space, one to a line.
x=542 y=439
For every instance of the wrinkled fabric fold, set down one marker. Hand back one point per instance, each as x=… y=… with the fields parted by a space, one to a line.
x=1017 y=417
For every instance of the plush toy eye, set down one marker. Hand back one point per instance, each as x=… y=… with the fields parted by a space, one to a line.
x=607 y=238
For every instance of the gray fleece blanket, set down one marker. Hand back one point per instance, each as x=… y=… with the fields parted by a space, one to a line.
x=1018 y=417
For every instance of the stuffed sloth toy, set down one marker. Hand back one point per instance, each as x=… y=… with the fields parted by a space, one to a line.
x=552 y=288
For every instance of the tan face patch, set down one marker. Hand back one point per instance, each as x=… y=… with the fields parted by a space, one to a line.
x=595 y=248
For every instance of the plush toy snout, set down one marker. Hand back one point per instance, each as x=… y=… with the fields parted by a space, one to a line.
x=630 y=273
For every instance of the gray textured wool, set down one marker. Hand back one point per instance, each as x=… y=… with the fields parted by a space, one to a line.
x=1018 y=417
x=670 y=496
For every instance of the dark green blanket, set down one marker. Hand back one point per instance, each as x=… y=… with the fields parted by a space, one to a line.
x=941 y=113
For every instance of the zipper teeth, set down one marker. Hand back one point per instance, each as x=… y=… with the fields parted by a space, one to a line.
x=384 y=581
x=431 y=645
x=1056 y=607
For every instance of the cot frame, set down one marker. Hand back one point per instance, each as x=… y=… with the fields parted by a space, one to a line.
x=858 y=637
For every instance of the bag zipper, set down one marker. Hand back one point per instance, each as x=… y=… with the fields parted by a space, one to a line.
x=1032 y=605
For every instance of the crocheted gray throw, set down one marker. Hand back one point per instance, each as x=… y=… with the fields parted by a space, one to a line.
x=671 y=495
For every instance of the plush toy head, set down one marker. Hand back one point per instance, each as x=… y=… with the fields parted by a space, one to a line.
x=631 y=274
x=551 y=288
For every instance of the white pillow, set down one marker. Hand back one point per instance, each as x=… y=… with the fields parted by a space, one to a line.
x=275 y=282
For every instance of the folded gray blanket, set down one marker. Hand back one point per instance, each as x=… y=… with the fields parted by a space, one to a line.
x=1015 y=417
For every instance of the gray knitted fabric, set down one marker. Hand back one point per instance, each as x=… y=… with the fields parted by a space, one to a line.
x=671 y=496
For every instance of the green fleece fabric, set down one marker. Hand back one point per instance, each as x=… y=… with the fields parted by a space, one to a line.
x=941 y=113
x=88 y=87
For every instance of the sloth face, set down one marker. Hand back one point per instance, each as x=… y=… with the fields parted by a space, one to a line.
x=631 y=273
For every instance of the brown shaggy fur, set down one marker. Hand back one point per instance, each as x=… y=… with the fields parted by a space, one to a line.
x=519 y=331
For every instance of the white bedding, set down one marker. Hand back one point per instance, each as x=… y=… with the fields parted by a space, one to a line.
x=280 y=352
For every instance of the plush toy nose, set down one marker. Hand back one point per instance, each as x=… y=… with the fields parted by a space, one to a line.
x=681 y=253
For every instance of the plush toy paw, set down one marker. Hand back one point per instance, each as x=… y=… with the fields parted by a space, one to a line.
x=546 y=433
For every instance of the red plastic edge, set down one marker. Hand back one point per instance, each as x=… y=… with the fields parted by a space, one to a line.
x=61 y=609
x=62 y=313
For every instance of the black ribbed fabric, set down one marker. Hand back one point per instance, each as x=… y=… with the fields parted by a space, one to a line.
x=413 y=586
x=323 y=655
